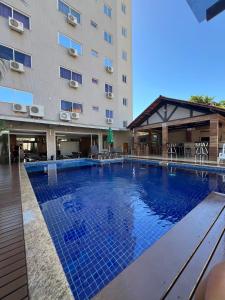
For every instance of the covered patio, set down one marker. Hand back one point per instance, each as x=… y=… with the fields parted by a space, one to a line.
x=178 y=129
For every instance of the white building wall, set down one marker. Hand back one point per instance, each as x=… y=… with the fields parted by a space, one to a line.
x=43 y=80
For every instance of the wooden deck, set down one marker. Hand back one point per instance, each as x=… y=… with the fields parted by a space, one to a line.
x=13 y=271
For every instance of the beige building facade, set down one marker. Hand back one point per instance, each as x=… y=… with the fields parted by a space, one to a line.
x=74 y=58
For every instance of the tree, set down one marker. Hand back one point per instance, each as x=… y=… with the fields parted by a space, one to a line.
x=207 y=100
x=201 y=99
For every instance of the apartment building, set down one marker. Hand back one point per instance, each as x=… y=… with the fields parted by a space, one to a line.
x=73 y=59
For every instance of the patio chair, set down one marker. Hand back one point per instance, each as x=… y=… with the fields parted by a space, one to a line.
x=221 y=155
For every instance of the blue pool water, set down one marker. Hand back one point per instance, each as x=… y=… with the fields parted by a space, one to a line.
x=102 y=218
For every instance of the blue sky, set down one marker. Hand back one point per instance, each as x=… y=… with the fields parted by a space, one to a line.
x=173 y=54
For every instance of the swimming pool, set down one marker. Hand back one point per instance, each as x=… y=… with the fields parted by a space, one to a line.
x=103 y=217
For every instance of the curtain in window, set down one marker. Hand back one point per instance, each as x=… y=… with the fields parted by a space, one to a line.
x=20 y=17
x=6 y=53
x=23 y=58
x=77 y=77
x=77 y=107
x=5 y=11
x=64 y=73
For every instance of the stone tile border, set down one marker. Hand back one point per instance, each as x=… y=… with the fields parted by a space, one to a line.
x=46 y=278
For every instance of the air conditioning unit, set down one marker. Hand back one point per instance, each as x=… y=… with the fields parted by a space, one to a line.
x=73 y=84
x=109 y=69
x=16 y=25
x=75 y=115
x=109 y=120
x=15 y=66
x=72 y=20
x=37 y=111
x=19 y=108
x=109 y=95
x=73 y=52
x=65 y=116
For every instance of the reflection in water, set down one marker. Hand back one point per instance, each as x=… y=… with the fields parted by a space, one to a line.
x=102 y=218
x=52 y=174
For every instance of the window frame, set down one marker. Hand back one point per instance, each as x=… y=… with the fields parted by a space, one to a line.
x=70 y=8
x=109 y=113
x=108 y=90
x=71 y=72
x=96 y=52
x=125 y=101
x=72 y=108
x=70 y=40
x=124 y=78
x=107 y=10
x=19 y=11
x=22 y=52
x=106 y=36
x=93 y=24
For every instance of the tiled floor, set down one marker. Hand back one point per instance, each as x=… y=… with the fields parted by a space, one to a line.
x=13 y=271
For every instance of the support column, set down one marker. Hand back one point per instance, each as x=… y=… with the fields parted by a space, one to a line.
x=149 y=142
x=213 y=139
x=135 y=143
x=51 y=144
x=100 y=146
x=165 y=140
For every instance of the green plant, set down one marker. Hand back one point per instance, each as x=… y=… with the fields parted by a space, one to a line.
x=201 y=99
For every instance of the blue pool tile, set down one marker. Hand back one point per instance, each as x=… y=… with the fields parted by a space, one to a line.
x=103 y=217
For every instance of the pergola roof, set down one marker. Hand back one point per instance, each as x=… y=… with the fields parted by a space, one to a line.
x=161 y=100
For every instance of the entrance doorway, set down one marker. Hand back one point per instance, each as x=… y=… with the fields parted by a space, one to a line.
x=28 y=147
x=71 y=145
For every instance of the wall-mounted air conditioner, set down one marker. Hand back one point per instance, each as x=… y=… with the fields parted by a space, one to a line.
x=16 y=25
x=19 y=108
x=75 y=115
x=64 y=116
x=73 y=84
x=15 y=66
x=72 y=20
x=109 y=95
x=109 y=69
x=72 y=52
x=36 y=111
x=109 y=120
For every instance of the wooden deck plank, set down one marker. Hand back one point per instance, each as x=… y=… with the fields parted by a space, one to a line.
x=12 y=286
x=13 y=270
x=185 y=285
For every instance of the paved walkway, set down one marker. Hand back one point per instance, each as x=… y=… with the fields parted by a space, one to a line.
x=13 y=270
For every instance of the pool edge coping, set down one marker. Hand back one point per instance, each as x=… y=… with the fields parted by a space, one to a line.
x=46 y=277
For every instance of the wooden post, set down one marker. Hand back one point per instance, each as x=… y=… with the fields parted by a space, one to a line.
x=135 y=143
x=165 y=139
x=214 y=139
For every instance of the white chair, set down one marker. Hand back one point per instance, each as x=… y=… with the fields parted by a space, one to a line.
x=221 y=155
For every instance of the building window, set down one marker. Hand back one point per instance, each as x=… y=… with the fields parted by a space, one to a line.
x=124 y=55
x=108 y=88
x=70 y=75
x=124 y=78
x=109 y=113
x=123 y=8
x=15 y=96
x=12 y=54
x=71 y=106
x=108 y=62
x=124 y=101
x=124 y=32
x=95 y=108
x=94 y=53
x=94 y=80
x=108 y=37
x=66 y=9
x=66 y=42
x=93 y=24
x=107 y=10
x=7 y=11
x=125 y=124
